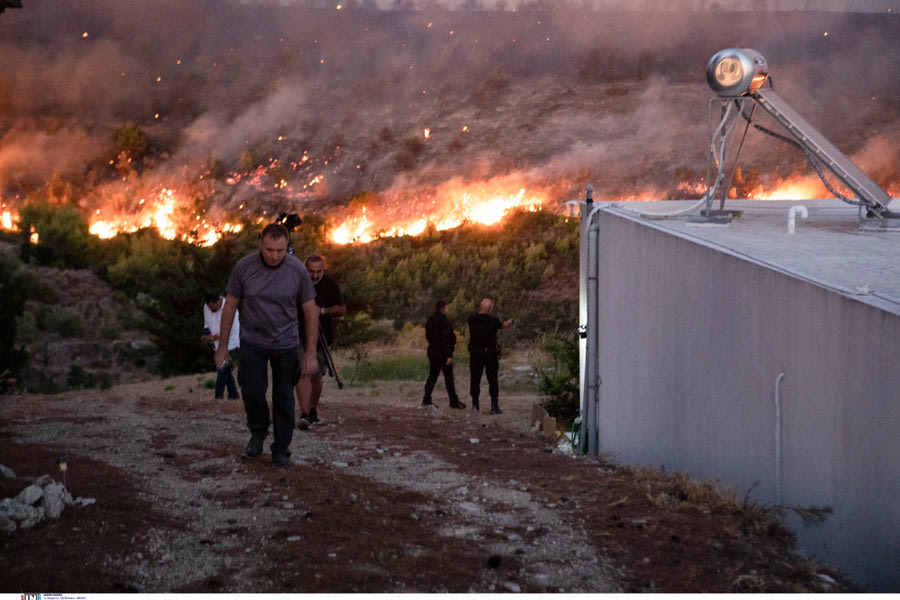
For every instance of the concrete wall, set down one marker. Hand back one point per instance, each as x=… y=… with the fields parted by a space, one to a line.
x=691 y=342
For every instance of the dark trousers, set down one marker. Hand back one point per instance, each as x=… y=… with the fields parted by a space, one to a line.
x=225 y=377
x=254 y=379
x=487 y=361
x=436 y=365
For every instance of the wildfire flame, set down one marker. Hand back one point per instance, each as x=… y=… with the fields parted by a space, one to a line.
x=471 y=203
x=443 y=207
x=159 y=212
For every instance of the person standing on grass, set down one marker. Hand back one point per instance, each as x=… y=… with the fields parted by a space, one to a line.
x=212 y=321
x=484 y=353
x=330 y=304
x=441 y=343
x=270 y=286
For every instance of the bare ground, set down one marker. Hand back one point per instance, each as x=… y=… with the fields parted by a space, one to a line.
x=385 y=496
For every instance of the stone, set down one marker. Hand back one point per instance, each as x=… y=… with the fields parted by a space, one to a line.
x=15 y=510
x=30 y=495
x=35 y=516
x=53 y=501
x=43 y=481
x=7 y=472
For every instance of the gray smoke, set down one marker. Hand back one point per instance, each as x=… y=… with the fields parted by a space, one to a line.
x=336 y=102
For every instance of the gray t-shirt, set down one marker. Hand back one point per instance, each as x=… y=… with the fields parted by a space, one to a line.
x=269 y=300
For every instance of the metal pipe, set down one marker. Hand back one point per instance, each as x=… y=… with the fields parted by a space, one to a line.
x=779 y=467
x=792 y=216
x=590 y=392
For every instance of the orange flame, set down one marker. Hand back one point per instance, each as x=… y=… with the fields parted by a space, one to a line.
x=463 y=203
x=159 y=212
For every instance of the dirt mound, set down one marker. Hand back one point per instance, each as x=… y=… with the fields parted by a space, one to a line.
x=385 y=496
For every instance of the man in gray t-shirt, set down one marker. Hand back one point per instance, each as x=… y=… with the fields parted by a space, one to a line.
x=270 y=286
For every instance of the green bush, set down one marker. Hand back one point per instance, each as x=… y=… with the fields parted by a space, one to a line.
x=78 y=378
x=13 y=291
x=65 y=321
x=63 y=234
x=558 y=374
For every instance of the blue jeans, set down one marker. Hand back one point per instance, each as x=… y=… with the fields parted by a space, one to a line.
x=225 y=378
x=254 y=379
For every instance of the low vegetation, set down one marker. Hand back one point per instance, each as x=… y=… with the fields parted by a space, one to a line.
x=529 y=267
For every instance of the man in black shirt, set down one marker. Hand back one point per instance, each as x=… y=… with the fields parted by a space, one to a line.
x=484 y=353
x=441 y=343
x=331 y=304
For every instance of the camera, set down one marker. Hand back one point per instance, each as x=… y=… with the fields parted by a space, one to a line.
x=290 y=220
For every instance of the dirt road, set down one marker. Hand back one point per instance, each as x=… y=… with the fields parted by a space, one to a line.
x=385 y=496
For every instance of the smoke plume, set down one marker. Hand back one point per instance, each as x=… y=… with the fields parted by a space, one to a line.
x=260 y=107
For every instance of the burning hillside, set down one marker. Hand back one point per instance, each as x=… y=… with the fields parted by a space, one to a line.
x=195 y=118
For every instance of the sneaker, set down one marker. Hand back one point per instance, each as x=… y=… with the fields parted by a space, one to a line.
x=457 y=404
x=303 y=423
x=255 y=446
x=427 y=403
x=281 y=460
x=496 y=411
x=313 y=416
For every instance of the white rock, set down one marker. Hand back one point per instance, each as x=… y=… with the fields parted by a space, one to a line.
x=7 y=472
x=30 y=495
x=36 y=517
x=53 y=501
x=43 y=480
x=19 y=511
x=512 y=587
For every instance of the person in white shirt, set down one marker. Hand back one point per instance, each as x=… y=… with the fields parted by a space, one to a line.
x=212 y=318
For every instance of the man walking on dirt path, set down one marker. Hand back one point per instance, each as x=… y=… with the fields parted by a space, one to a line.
x=330 y=304
x=441 y=343
x=270 y=286
x=484 y=353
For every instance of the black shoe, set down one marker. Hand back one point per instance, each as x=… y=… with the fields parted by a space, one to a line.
x=475 y=405
x=427 y=403
x=313 y=416
x=281 y=460
x=303 y=423
x=457 y=404
x=496 y=411
x=255 y=446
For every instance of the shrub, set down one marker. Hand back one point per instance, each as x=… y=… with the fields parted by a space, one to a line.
x=64 y=238
x=12 y=303
x=78 y=378
x=558 y=374
x=65 y=321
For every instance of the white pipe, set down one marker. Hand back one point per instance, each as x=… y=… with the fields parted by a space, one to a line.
x=792 y=216
x=590 y=395
x=779 y=467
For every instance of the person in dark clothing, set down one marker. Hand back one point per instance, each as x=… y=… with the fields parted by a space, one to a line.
x=330 y=304
x=484 y=353
x=271 y=286
x=441 y=343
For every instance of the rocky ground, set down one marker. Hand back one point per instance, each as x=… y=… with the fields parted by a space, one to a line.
x=385 y=496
